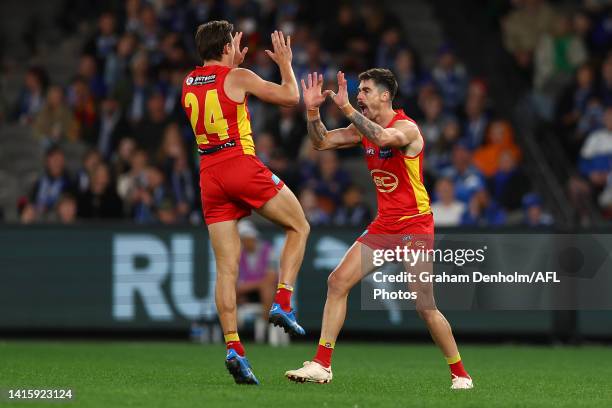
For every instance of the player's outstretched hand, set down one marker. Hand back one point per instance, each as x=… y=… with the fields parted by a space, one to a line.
x=238 y=54
x=282 y=49
x=311 y=91
x=341 y=97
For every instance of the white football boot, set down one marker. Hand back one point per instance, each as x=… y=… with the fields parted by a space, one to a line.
x=310 y=372
x=462 y=383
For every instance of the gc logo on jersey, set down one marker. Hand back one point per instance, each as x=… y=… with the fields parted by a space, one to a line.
x=370 y=151
x=385 y=181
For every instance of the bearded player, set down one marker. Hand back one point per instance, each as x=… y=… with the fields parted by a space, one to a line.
x=232 y=179
x=394 y=149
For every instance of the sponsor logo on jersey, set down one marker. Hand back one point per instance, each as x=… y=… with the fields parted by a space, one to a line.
x=385 y=153
x=385 y=181
x=370 y=151
x=201 y=80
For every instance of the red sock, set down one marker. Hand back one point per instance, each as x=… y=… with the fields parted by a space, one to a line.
x=458 y=370
x=283 y=296
x=324 y=353
x=232 y=341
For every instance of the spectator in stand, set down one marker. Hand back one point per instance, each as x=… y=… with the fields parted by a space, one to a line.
x=450 y=78
x=91 y=160
x=439 y=154
x=314 y=213
x=509 y=183
x=83 y=106
x=183 y=187
x=173 y=16
x=601 y=36
x=557 y=55
x=166 y=212
x=523 y=27
x=606 y=82
x=131 y=16
x=88 y=70
x=54 y=182
x=149 y=31
x=332 y=180
x=32 y=96
x=353 y=211
x=534 y=214
x=499 y=140
x=573 y=103
x=339 y=34
x=288 y=129
x=431 y=126
x=285 y=169
x=100 y=201
x=465 y=177
x=135 y=89
x=257 y=268
x=149 y=132
x=483 y=211
x=476 y=117
x=104 y=41
x=264 y=147
x=182 y=182
x=55 y=122
x=408 y=80
x=117 y=65
x=66 y=211
x=136 y=177
x=147 y=198
x=172 y=147
x=111 y=126
x=447 y=210
x=596 y=153
x=390 y=45
x=121 y=160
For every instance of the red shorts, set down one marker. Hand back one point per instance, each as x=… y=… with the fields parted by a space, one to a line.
x=231 y=189
x=416 y=232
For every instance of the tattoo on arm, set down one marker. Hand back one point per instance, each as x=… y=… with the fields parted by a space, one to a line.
x=316 y=131
x=366 y=127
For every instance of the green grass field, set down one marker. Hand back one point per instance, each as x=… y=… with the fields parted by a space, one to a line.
x=137 y=374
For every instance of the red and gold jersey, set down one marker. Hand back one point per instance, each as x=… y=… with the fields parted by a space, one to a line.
x=217 y=121
x=398 y=179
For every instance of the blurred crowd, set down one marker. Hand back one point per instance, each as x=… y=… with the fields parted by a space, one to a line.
x=123 y=103
x=564 y=48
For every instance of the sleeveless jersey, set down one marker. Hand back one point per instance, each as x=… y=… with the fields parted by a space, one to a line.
x=215 y=118
x=398 y=179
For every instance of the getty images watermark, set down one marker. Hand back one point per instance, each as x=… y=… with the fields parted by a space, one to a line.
x=488 y=272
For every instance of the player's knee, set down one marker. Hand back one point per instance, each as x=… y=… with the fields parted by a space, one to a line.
x=427 y=313
x=302 y=227
x=336 y=286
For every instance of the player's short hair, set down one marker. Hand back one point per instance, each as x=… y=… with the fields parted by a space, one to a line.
x=381 y=77
x=211 y=37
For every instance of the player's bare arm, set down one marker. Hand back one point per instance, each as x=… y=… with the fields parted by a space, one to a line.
x=400 y=135
x=241 y=82
x=321 y=138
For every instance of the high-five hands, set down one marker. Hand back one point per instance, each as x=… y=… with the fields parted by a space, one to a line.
x=341 y=97
x=238 y=54
x=282 y=49
x=311 y=91
x=314 y=96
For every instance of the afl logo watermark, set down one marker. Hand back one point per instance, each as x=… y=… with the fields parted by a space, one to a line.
x=385 y=182
x=189 y=80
